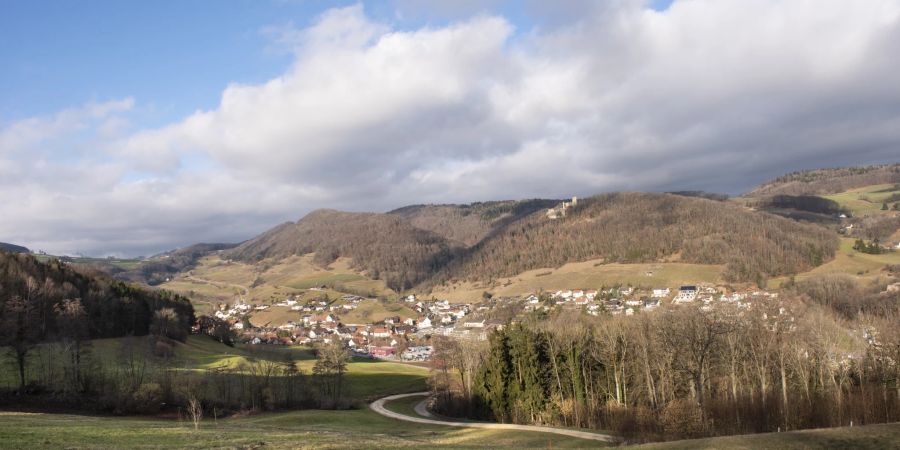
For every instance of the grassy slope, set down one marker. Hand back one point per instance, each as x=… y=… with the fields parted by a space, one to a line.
x=366 y=378
x=215 y=281
x=405 y=405
x=866 y=437
x=586 y=275
x=866 y=200
x=299 y=429
x=848 y=261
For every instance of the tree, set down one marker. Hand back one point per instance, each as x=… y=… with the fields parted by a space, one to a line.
x=167 y=324
x=73 y=332
x=884 y=207
x=331 y=363
x=19 y=331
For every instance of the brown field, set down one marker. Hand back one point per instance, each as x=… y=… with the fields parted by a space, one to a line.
x=585 y=275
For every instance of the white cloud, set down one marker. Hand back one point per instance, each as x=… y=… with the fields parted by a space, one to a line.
x=708 y=94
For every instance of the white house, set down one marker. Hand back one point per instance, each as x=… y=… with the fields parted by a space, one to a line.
x=474 y=324
x=686 y=294
x=661 y=293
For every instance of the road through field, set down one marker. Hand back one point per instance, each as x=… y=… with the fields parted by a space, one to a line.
x=378 y=407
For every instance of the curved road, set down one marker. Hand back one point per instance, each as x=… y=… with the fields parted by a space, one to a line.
x=378 y=406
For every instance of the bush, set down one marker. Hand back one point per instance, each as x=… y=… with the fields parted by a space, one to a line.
x=683 y=418
x=147 y=399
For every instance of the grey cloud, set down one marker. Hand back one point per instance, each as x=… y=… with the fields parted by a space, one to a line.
x=709 y=94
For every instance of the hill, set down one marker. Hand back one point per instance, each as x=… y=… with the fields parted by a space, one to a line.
x=385 y=246
x=159 y=268
x=828 y=181
x=650 y=227
x=111 y=308
x=12 y=248
x=517 y=237
x=469 y=224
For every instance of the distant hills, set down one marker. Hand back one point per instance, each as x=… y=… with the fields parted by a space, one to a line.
x=423 y=245
x=828 y=181
x=12 y=248
x=785 y=226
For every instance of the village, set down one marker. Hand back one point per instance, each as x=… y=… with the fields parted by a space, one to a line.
x=408 y=337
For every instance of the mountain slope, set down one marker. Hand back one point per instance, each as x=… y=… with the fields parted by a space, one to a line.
x=469 y=224
x=828 y=181
x=12 y=248
x=644 y=227
x=383 y=245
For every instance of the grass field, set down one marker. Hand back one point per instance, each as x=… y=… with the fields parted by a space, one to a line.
x=405 y=405
x=850 y=262
x=299 y=429
x=216 y=281
x=586 y=275
x=866 y=200
x=366 y=378
x=874 y=437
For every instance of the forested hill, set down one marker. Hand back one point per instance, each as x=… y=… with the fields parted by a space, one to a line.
x=105 y=307
x=469 y=224
x=12 y=248
x=620 y=227
x=643 y=227
x=828 y=181
x=385 y=246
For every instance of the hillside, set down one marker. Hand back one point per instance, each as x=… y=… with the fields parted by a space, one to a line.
x=469 y=224
x=518 y=237
x=828 y=181
x=12 y=248
x=647 y=227
x=385 y=246
x=111 y=308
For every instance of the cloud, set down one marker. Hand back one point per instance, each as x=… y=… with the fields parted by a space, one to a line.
x=706 y=94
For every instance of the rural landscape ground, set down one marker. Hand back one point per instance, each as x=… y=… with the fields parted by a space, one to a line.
x=356 y=428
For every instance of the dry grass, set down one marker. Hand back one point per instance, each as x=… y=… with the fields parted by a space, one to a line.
x=585 y=275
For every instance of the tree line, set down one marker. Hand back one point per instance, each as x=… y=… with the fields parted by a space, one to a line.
x=785 y=364
x=54 y=302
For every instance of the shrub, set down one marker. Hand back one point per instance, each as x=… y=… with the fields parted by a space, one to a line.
x=683 y=418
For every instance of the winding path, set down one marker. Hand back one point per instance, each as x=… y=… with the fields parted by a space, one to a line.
x=378 y=407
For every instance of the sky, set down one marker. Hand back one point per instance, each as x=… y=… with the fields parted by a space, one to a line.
x=129 y=128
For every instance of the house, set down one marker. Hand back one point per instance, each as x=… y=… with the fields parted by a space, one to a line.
x=381 y=332
x=661 y=293
x=424 y=322
x=590 y=294
x=651 y=303
x=474 y=324
x=392 y=320
x=532 y=299
x=633 y=302
x=381 y=352
x=686 y=294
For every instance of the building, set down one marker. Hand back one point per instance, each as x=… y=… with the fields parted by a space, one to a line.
x=686 y=294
